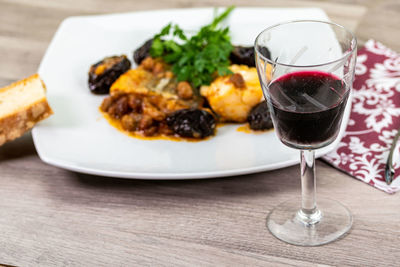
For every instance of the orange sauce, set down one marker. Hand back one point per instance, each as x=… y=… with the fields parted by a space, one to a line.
x=245 y=128
x=117 y=125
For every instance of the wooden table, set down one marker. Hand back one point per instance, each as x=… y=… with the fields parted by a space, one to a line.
x=50 y=216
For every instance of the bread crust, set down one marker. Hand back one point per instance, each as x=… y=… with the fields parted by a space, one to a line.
x=16 y=124
x=23 y=82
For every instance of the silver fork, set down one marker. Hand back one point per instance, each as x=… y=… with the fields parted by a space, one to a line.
x=389 y=170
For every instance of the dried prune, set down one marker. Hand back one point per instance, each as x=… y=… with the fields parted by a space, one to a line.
x=193 y=123
x=265 y=52
x=104 y=73
x=142 y=52
x=245 y=55
x=260 y=117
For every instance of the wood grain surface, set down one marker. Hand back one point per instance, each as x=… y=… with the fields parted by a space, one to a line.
x=53 y=217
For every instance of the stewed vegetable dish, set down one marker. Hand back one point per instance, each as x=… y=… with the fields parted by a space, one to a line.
x=182 y=86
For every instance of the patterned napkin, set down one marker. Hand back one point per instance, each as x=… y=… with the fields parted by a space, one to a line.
x=374 y=119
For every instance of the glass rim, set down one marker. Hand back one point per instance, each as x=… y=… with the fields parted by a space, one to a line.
x=353 y=48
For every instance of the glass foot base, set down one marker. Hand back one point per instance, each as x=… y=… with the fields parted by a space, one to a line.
x=285 y=222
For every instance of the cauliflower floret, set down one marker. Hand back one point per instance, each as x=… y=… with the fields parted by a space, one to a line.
x=231 y=100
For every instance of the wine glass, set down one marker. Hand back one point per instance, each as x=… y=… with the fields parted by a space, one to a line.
x=307 y=83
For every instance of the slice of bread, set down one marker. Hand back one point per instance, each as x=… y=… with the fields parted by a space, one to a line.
x=22 y=105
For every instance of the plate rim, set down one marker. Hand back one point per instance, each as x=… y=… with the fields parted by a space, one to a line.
x=171 y=176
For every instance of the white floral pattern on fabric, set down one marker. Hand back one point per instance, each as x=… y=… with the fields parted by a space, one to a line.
x=360 y=67
x=385 y=76
x=379 y=49
x=374 y=119
x=378 y=107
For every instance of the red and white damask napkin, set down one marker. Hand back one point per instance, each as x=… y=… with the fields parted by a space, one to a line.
x=374 y=118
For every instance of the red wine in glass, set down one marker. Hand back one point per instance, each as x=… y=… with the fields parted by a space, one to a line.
x=308 y=107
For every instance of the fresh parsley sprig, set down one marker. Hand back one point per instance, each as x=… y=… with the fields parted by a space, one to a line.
x=199 y=58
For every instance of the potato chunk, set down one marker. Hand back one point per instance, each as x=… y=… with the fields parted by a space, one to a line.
x=232 y=100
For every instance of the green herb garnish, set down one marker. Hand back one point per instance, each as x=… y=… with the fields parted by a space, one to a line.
x=196 y=59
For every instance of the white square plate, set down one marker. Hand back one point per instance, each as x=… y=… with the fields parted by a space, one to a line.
x=77 y=138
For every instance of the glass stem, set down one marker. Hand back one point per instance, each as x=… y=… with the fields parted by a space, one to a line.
x=308 y=214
